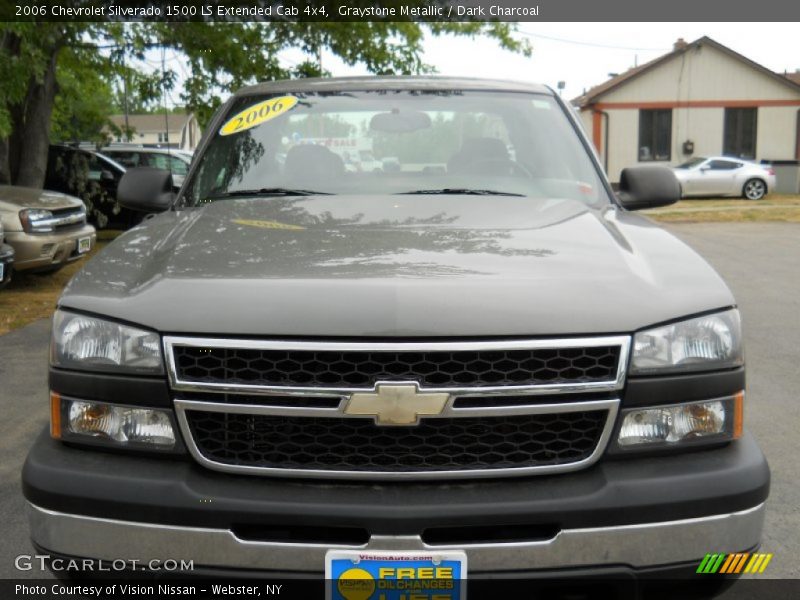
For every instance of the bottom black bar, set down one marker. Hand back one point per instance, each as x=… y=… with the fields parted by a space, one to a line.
x=500 y=588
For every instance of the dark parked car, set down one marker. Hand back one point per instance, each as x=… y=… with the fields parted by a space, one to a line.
x=93 y=178
x=481 y=362
x=159 y=158
x=6 y=259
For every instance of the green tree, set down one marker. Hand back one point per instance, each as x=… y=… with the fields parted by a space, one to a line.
x=30 y=56
x=83 y=102
x=219 y=57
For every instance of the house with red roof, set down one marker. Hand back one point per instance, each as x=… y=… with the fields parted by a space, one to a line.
x=701 y=99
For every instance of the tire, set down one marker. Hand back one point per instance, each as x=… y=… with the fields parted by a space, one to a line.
x=754 y=189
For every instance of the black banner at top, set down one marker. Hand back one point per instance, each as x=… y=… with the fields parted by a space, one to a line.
x=400 y=10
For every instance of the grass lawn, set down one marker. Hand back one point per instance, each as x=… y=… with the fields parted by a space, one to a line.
x=30 y=297
x=728 y=210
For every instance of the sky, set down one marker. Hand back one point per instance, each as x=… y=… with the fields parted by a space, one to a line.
x=583 y=54
x=579 y=54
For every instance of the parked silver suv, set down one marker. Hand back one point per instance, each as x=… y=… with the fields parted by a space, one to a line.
x=47 y=229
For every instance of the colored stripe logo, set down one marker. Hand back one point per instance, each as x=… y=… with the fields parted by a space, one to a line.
x=729 y=564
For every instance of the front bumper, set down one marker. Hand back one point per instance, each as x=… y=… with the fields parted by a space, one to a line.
x=635 y=513
x=640 y=546
x=47 y=250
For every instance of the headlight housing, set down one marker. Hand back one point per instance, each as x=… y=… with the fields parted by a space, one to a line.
x=677 y=425
x=704 y=343
x=36 y=220
x=112 y=425
x=92 y=344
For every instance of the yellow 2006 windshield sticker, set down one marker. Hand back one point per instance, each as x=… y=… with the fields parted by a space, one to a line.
x=257 y=114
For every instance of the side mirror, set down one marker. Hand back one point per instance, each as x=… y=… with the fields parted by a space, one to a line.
x=106 y=175
x=648 y=187
x=146 y=189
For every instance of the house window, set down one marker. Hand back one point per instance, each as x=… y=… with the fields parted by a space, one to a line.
x=163 y=138
x=655 y=134
x=739 y=138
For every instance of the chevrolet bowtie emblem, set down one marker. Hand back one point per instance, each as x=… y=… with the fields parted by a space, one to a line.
x=396 y=404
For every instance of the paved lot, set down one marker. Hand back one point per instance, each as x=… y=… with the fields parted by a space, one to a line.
x=760 y=262
x=23 y=398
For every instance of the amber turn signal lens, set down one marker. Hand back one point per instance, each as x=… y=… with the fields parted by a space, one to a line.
x=55 y=415
x=738 y=415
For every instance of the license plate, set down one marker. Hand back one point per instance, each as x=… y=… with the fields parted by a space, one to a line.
x=387 y=575
x=84 y=245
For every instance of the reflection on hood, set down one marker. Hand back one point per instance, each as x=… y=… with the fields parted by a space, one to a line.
x=392 y=265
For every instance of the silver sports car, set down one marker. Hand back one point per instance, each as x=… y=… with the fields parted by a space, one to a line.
x=725 y=176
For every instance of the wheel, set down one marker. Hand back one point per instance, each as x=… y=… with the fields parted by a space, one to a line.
x=754 y=189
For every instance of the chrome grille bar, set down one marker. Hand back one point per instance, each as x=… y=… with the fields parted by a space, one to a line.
x=187 y=385
x=194 y=397
x=183 y=407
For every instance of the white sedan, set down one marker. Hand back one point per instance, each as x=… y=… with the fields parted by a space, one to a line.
x=724 y=176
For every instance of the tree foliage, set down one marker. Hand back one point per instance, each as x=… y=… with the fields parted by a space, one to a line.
x=70 y=71
x=83 y=102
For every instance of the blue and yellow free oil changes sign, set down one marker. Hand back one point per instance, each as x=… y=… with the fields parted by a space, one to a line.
x=364 y=575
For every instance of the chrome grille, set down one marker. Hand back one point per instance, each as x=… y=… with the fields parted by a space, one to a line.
x=68 y=218
x=203 y=364
x=341 y=444
x=269 y=367
x=510 y=407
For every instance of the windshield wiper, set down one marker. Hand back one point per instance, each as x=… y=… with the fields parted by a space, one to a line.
x=463 y=191
x=267 y=192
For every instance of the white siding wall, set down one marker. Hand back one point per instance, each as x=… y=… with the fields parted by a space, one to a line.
x=777 y=131
x=623 y=141
x=145 y=137
x=701 y=74
x=586 y=118
x=704 y=74
x=704 y=126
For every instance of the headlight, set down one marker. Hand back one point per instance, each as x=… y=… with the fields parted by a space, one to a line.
x=704 y=343
x=88 y=343
x=694 y=422
x=111 y=424
x=36 y=220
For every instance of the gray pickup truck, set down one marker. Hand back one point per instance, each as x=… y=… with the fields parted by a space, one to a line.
x=472 y=361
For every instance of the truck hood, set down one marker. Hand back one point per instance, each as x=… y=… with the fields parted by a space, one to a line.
x=389 y=266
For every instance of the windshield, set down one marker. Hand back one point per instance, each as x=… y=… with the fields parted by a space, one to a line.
x=691 y=163
x=396 y=142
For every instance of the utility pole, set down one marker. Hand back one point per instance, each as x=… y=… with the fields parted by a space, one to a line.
x=164 y=92
x=125 y=100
